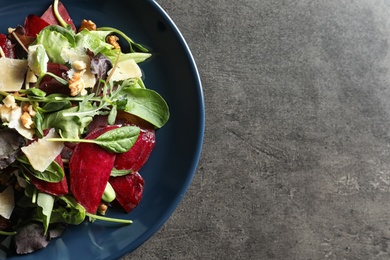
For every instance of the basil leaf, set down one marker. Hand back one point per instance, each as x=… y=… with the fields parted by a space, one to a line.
x=148 y=105
x=118 y=140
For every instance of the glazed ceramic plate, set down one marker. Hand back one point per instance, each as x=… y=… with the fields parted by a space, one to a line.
x=169 y=171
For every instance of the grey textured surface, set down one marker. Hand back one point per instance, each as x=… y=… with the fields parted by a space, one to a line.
x=296 y=159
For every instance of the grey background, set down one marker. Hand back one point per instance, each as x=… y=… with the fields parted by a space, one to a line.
x=295 y=162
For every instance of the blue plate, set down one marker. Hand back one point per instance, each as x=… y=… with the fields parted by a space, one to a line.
x=168 y=173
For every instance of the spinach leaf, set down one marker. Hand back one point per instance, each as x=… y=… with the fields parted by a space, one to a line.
x=118 y=140
x=55 y=106
x=146 y=104
x=53 y=173
x=38 y=119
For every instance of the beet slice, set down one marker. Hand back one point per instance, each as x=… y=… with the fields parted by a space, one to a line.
x=33 y=25
x=53 y=188
x=89 y=170
x=7 y=46
x=50 y=17
x=128 y=189
x=139 y=153
x=50 y=85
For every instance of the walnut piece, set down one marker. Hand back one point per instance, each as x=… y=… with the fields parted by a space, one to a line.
x=87 y=24
x=77 y=84
x=113 y=40
x=26 y=120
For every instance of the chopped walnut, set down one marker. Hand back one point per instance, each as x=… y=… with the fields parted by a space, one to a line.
x=77 y=84
x=26 y=120
x=29 y=109
x=87 y=24
x=113 y=40
x=102 y=208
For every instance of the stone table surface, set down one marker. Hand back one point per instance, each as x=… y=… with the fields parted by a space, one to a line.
x=296 y=159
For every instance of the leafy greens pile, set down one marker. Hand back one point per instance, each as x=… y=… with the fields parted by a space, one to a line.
x=77 y=125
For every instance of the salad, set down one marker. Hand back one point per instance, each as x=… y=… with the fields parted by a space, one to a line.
x=77 y=125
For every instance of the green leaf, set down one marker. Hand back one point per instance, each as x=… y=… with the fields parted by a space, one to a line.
x=138 y=57
x=33 y=92
x=68 y=126
x=68 y=211
x=54 y=39
x=50 y=107
x=148 y=105
x=38 y=119
x=118 y=140
x=45 y=204
x=93 y=41
x=53 y=173
x=112 y=115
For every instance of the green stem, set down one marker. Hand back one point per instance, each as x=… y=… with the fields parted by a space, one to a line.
x=19 y=98
x=6 y=233
x=127 y=38
x=115 y=220
x=71 y=140
x=57 y=14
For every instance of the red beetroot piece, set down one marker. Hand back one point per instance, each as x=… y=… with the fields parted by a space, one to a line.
x=50 y=17
x=50 y=85
x=54 y=188
x=128 y=189
x=7 y=46
x=139 y=153
x=89 y=170
x=33 y=25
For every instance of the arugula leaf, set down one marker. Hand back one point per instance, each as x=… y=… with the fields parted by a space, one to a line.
x=68 y=126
